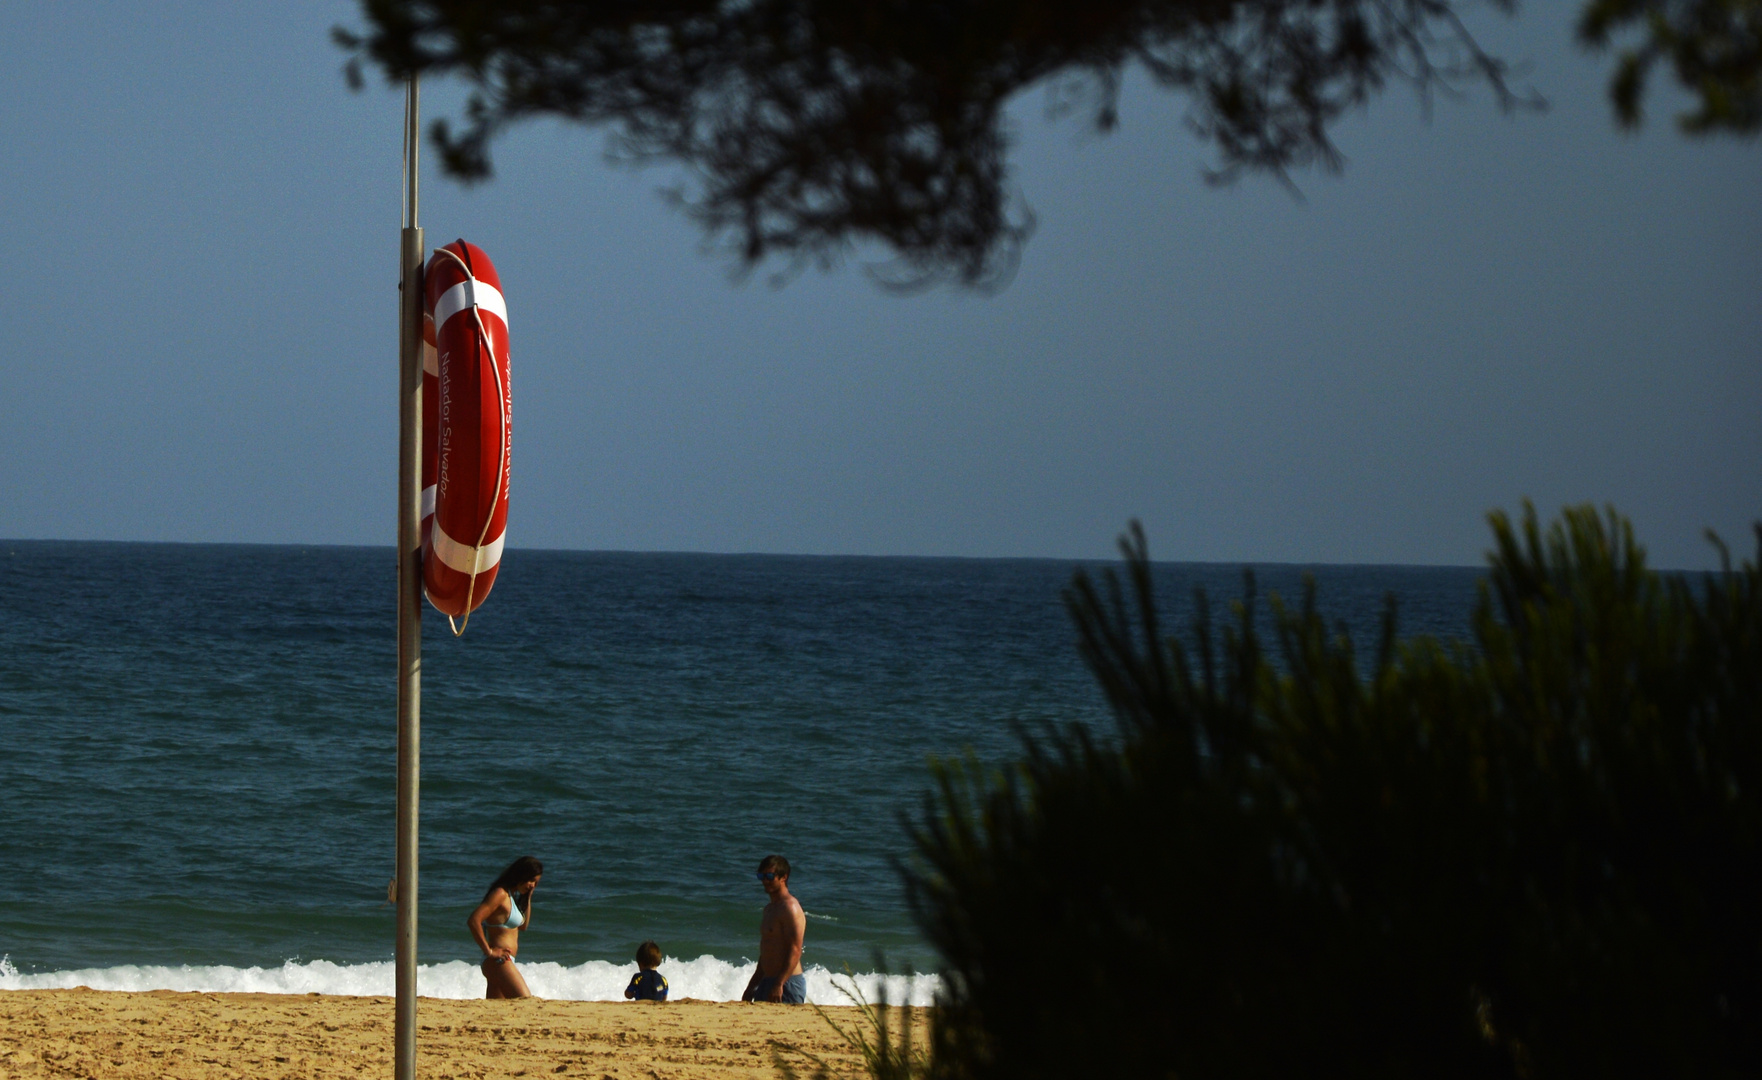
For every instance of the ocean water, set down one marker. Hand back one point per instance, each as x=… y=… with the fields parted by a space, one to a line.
x=197 y=752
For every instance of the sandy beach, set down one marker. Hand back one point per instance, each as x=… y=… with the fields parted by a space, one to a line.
x=88 y=1033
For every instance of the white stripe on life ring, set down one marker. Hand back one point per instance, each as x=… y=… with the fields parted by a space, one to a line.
x=458 y=556
x=459 y=298
x=428 y=502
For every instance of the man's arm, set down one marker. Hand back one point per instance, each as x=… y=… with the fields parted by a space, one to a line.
x=764 y=944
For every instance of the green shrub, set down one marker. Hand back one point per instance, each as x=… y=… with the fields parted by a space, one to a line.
x=887 y=1050
x=1534 y=854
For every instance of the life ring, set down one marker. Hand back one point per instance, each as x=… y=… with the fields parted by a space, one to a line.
x=430 y=422
x=467 y=432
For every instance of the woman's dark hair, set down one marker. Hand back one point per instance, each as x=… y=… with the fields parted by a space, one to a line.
x=520 y=871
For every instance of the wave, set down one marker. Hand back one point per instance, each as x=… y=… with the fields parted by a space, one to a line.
x=706 y=978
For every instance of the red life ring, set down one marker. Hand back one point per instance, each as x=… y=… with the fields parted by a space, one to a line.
x=466 y=432
x=430 y=422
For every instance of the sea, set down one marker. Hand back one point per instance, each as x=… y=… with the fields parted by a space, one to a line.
x=198 y=753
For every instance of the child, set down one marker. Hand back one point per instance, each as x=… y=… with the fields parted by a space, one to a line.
x=647 y=984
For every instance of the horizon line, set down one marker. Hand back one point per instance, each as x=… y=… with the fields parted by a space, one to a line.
x=683 y=552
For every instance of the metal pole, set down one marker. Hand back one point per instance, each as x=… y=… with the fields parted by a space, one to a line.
x=409 y=589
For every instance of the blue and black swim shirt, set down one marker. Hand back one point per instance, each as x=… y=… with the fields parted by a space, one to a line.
x=649 y=986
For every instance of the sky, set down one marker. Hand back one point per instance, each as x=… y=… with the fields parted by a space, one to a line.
x=201 y=232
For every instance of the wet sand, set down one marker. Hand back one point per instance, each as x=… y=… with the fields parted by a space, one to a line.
x=87 y=1033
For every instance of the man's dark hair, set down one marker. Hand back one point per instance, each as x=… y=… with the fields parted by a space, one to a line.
x=648 y=955
x=774 y=864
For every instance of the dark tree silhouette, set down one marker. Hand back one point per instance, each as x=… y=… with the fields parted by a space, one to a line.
x=1536 y=853
x=1714 y=47
x=810 y=125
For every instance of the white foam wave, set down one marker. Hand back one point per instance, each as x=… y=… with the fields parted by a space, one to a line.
x=706 y=978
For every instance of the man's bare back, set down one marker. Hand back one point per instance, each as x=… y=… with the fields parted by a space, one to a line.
x=782 y=928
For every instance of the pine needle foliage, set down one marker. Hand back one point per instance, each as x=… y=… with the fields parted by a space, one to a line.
x=810 y=130
x=887 y=1051
x=1714 y=48
x=1537 y=853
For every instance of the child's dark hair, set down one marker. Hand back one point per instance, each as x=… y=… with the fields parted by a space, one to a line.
x=648 y=955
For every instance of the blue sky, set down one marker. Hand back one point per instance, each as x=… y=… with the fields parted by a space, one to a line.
x=201 y=235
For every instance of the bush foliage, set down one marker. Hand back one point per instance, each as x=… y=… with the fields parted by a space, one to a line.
x=886 y=1050
x=1535 y=853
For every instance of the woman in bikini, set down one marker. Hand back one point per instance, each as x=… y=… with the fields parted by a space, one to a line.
x=496 y=924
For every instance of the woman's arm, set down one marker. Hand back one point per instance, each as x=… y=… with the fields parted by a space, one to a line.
x=474 y=921
x=527 y=924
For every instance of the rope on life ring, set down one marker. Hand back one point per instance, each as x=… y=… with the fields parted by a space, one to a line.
x=501 y=442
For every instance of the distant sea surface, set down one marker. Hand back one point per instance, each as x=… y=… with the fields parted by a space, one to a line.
x=198 y=751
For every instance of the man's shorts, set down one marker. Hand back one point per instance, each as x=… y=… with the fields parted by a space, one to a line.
x=795 y=990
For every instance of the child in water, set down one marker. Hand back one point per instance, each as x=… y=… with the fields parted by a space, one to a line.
x=647 y=984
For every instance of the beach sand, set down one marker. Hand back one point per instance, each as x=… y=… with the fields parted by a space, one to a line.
x=88 y=1033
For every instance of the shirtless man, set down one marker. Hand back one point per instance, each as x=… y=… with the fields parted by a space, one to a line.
x=781 y=929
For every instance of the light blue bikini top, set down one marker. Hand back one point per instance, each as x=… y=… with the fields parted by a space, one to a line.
x=515 y=919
